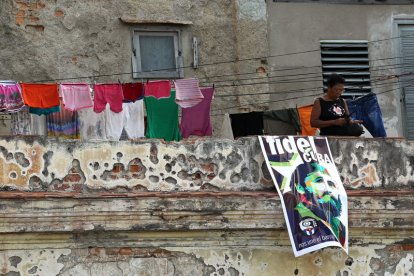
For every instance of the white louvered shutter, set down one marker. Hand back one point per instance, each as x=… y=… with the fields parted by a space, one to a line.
x=407 y=83
x=348 y=58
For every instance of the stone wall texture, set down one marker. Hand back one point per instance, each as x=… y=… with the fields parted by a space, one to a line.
x=200 y=207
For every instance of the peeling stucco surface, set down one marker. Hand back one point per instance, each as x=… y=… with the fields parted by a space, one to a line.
x=199 y=207
x=385 y=163
x=31 y=262
x=183 y=212
x=374 y=259
x=39 y=164
x=47 y=165
x=263 y=261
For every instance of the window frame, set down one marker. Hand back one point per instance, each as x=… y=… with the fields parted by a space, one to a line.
x=136 y=58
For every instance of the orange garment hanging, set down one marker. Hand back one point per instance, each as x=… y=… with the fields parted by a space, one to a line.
x=40 y=95
x=304 y=115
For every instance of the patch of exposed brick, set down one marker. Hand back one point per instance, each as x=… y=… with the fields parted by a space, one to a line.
x=59 y=13
x=29 y=10
x=34 y=19
x=37 y=28
x=401 y=247
x=135 y=168
x=20 y=17
x=126 y=251
x=118 y=168
x=209 y=167
x=77 y=187
x=61 y=187
x=73 y=177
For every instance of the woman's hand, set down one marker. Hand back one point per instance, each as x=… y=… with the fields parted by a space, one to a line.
x=340 y=122
x=356 y=122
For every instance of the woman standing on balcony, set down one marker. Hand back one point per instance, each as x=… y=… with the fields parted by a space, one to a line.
x=330 y=113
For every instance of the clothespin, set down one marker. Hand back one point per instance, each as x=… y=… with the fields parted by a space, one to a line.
x=119 y=81
x=214 y=86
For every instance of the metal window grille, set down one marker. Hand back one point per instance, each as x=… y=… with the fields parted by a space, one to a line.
x=350 y=59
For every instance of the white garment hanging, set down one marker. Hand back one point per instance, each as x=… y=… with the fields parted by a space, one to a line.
x=38 y=125
x=133 y=119
x=114 y=124
x=91 y=125
x=226 y=131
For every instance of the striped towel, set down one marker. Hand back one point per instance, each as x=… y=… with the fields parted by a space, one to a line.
x=188 y=92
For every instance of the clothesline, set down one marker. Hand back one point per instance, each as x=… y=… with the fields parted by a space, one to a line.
x=43 y=99
x=238 y=84
x=115 y=107
x=273 y=121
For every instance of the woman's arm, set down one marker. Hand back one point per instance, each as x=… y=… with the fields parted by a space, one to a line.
x=316 y=122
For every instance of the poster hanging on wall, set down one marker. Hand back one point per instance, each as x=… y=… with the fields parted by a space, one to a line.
x=313 y=198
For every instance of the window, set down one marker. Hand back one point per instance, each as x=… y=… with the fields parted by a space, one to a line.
x=157 y=54
x=405 y=29
x=348 y=58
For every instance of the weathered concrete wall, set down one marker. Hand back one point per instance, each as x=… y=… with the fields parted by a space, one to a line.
x=334 y=22
x=263 y=256
x=221 y=215
x=40 y=164
x=216 y=234
x=49 y=40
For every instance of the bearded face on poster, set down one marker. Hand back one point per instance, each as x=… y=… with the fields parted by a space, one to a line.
x=316 y=202
x=319 y=195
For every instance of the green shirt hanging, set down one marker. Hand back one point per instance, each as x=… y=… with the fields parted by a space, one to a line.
x=162 y=118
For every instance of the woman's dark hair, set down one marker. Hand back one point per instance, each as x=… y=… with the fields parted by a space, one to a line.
x=335 y=79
